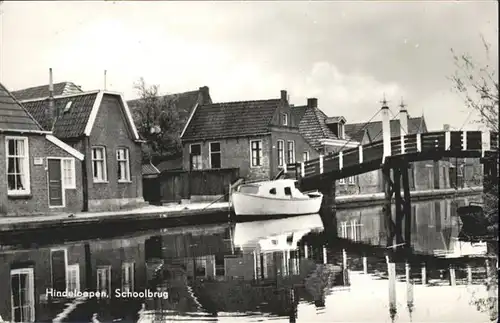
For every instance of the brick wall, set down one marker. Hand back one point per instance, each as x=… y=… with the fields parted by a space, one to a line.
x=301 y=146
x=37 y=202
x=111 y=131
x=235 y=152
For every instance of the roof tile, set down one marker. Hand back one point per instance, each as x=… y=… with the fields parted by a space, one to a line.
x=13 y=116
x=70 y=124
x=42 y=91
x=231 y=119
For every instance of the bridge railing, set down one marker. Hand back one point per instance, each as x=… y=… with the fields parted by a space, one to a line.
x=408 y=144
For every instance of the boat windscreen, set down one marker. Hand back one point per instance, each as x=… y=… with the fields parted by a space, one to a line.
x=249 y=189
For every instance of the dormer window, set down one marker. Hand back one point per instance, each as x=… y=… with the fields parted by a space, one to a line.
x=284 y=119
x=337 y=126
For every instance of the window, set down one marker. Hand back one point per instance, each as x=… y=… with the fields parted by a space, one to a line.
x=200 y=269
x=351 y=180
x=18 y=176
x=256 y=153
x=342 y=181
x=73 y=278
x=123 y=160
x=215 y=155
x=272 y=191
x=104 y=279
x=99 y=164
x=128 y=277
x=291 y=152
x=281 y=152
x=284 y=119
x=288 y=191
x=220 y=269
x=195 y=156
x=68 y=167
x=305 y=156
x=22 y=295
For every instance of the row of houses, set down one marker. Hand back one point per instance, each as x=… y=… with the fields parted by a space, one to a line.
x=69 y=150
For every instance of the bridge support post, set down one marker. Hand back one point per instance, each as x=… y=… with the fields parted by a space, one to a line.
x=399 y=205
x=406 y=204
x=387 y=209
x=327 y=211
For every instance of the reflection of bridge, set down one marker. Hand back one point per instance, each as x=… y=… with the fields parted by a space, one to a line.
x=395 y=153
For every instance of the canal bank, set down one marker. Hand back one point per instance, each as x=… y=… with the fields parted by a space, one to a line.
x=151 y=217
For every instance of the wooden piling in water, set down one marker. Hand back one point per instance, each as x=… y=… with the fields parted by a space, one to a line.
x=365 y=265
x=424 y=274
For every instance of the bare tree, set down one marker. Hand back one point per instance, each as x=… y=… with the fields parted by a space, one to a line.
x=478 y=85
x=158 y=123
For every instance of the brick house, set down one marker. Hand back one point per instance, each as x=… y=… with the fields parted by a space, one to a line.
x=42 y=173
x=184 y=103
x=99 y=125
x=326 y=135
x=258 y=137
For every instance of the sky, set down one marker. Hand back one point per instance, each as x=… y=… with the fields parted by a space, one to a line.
x=346 y=54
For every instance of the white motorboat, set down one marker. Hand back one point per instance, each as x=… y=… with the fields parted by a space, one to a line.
x=279 y=197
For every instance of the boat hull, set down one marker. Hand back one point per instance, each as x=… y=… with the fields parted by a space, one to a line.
x=247 y=204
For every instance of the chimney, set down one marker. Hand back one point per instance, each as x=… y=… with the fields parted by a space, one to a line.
x=446 y=127
x=312 y=103
x=403 y=118
x=50 y=113
x=204 y=95
x=284 y=96
x=105 y=81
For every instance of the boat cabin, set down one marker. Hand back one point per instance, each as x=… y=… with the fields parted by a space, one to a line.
x=282 y=189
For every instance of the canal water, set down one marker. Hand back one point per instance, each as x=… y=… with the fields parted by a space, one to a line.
x=285 y=270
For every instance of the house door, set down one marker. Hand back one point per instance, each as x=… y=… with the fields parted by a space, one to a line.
x=55 y=183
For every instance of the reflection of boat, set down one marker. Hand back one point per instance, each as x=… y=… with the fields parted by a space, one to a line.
x=280 y=234
x=474 y=223
x=279 y=197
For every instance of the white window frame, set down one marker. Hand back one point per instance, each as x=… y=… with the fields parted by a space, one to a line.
x=31 y=292
x=259 y=152
x=305 y=156
x=74 y=269
x=25 y=163
x=71 y=183
x=351 y=180
x=290 y=160
x=342 y=181
x=284 y=119
x=123 y=162
x=129 y=285
x=201 y=157
x=104 y=177
x=107 y=271
x=210 y=152
x=281 y=159
x=341 y=130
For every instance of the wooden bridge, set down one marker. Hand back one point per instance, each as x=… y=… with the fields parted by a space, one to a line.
x=394 y=154
x=406 y=148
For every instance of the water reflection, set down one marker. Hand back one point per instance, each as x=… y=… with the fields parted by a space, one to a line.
x=286 y=270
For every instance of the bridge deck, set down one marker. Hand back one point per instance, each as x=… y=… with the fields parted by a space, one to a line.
x=414 y=147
